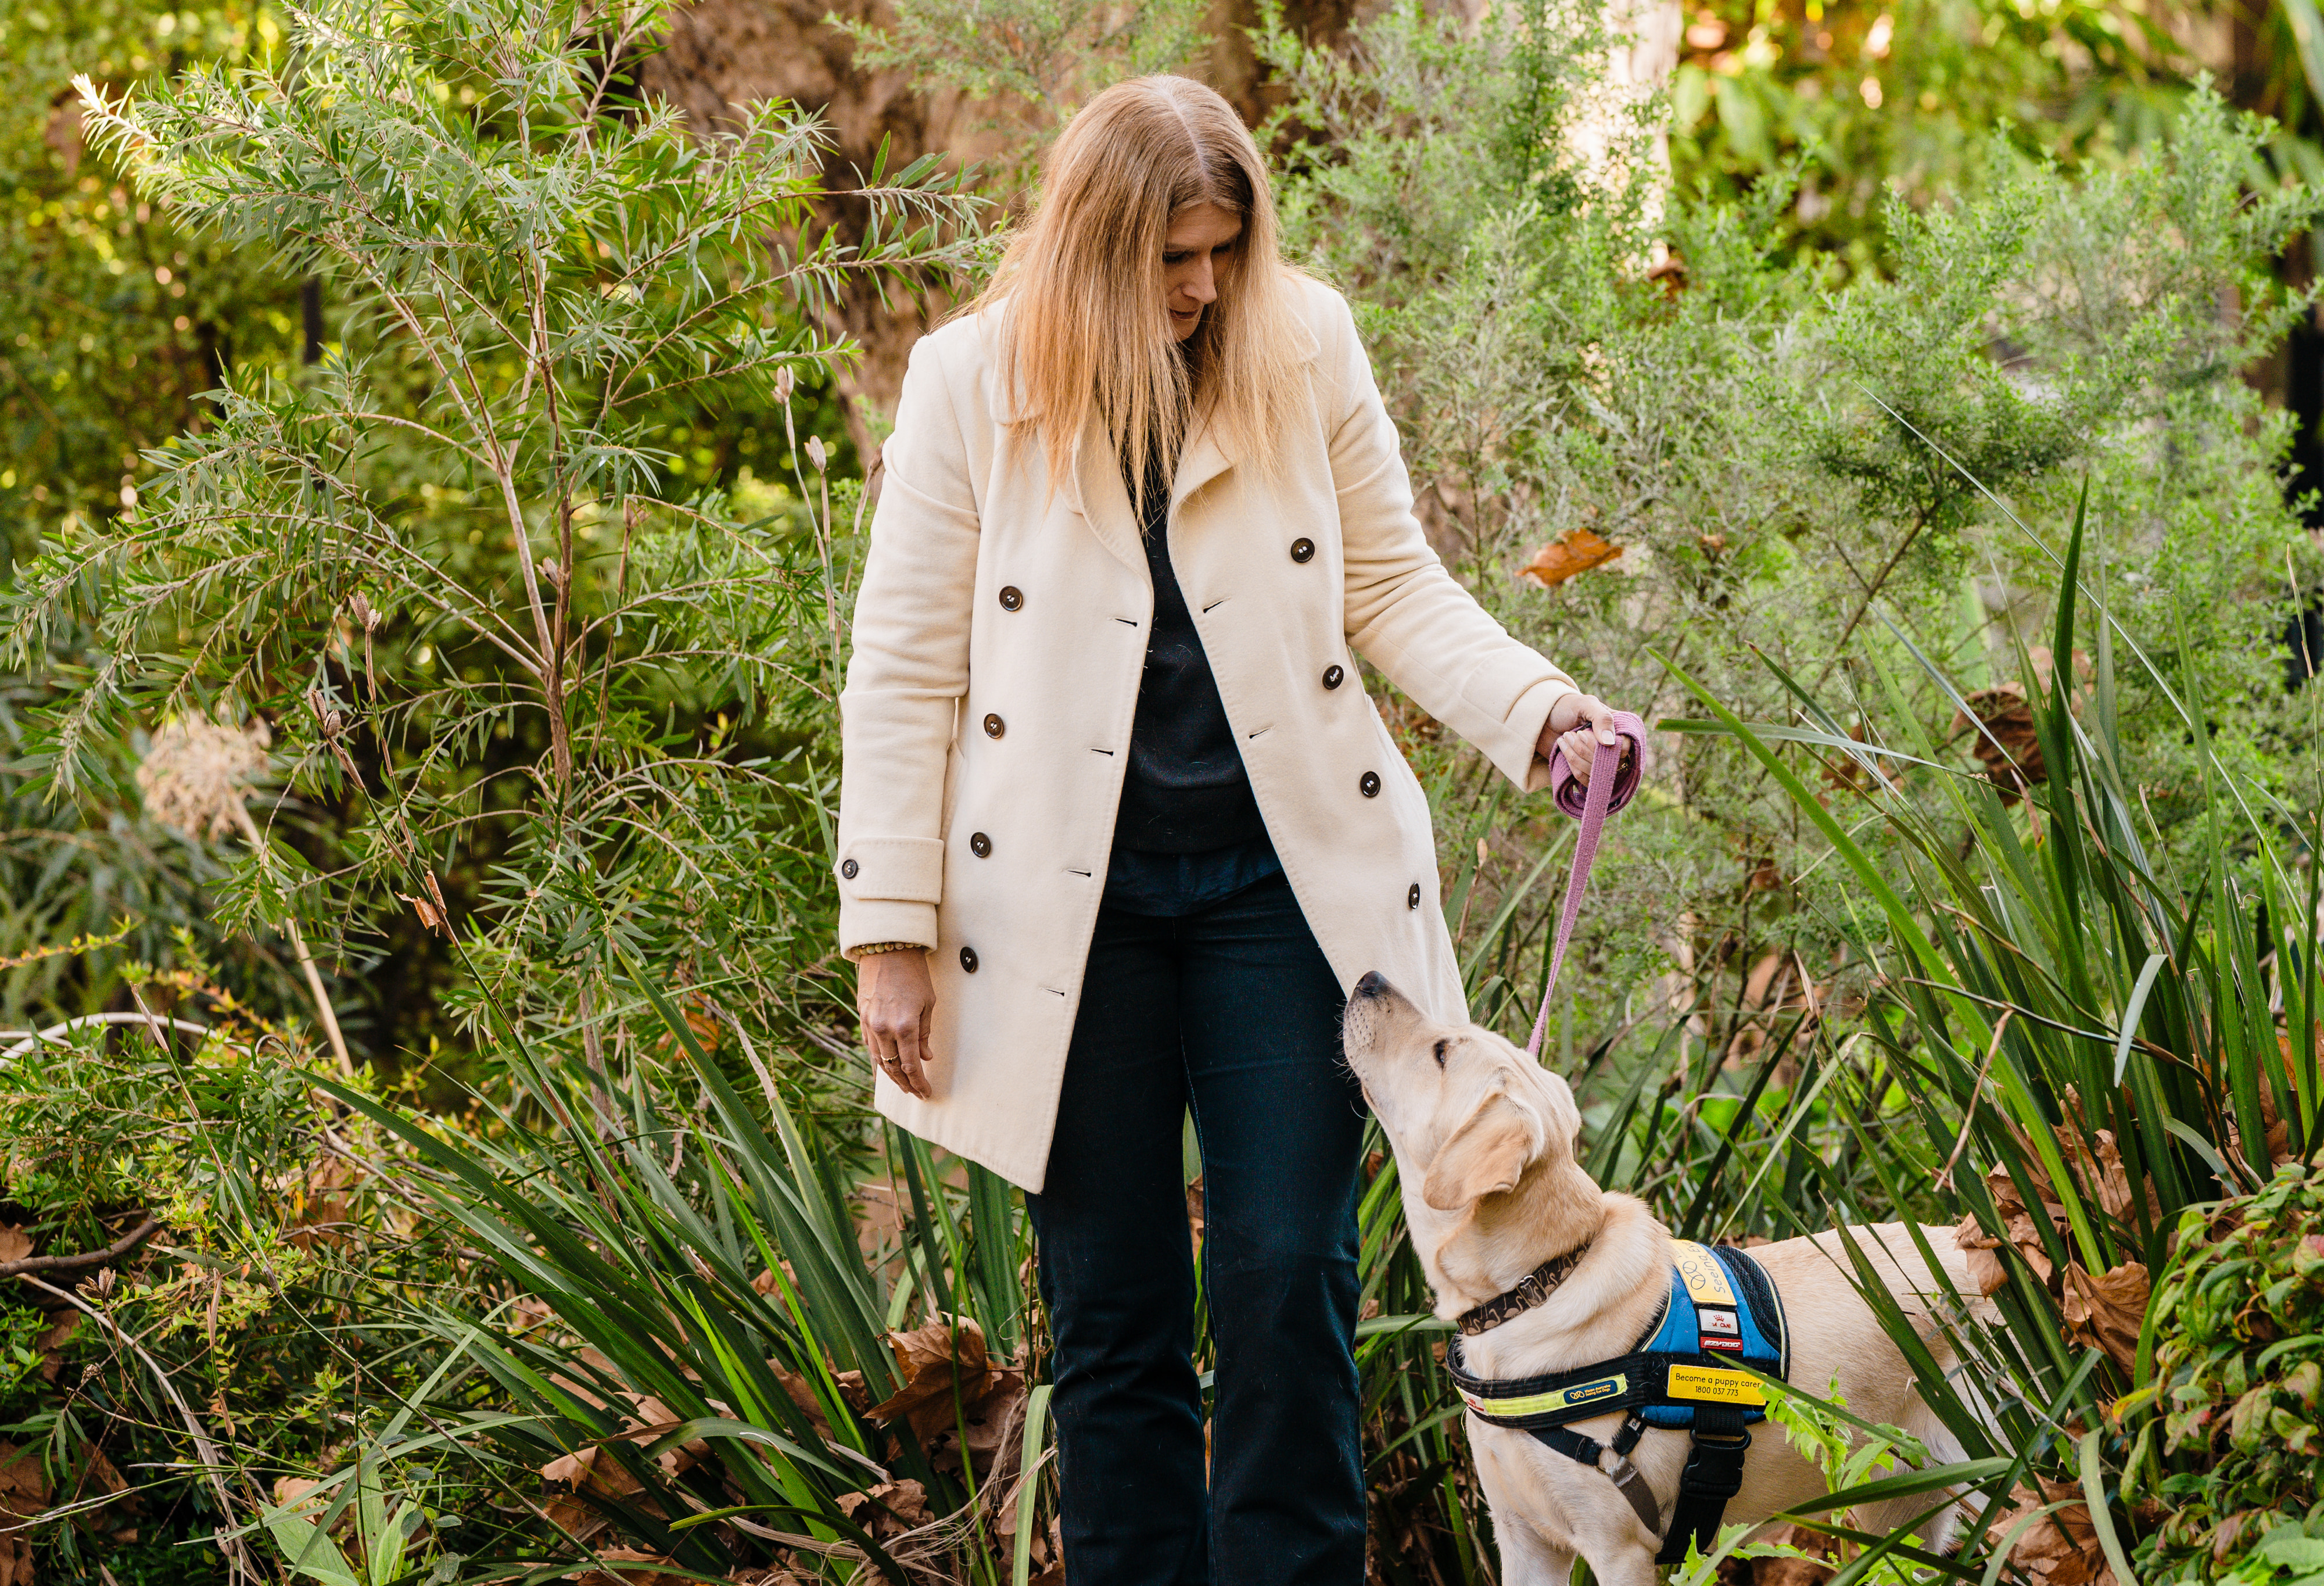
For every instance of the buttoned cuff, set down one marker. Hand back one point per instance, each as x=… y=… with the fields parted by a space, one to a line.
x=891 y=869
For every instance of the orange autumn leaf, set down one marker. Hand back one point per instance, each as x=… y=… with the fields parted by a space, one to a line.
x=1578 y=552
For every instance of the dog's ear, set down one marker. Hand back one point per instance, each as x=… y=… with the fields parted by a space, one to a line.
x=1486 y=1155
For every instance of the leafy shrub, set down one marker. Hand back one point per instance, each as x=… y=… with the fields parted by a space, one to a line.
x=2229 y=1432
x=2085 y=1036
x=1715 y=459
x=216 y=1250
x=453 y=570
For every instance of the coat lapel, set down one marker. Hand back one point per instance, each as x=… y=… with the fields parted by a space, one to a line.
x=1202 y=460
x=1103 y=501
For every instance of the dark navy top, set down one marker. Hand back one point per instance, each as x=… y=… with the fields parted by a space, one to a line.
x=1189 y=830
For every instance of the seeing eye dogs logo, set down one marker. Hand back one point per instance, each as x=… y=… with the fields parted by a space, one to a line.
x=1564 y=1398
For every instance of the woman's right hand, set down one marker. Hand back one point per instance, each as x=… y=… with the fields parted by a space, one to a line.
x=896 y=1001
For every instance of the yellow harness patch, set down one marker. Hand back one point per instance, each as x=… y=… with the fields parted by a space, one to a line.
x=1700 y=1270
x=1542 y=1404
x=1710 y=1386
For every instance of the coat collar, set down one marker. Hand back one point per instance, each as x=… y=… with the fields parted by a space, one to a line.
x=1103 y=499
x=1094 y=478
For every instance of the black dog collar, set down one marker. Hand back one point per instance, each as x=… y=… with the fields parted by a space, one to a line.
x=1532 y=1289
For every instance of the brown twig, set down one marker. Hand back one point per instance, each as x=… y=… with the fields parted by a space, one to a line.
x=87 y=1258
x=1945 y=1174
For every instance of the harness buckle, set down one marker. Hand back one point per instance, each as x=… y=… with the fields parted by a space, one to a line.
x=1714 y=1467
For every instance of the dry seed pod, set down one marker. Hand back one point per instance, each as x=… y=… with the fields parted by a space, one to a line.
x=814 y=451
x=327 y=718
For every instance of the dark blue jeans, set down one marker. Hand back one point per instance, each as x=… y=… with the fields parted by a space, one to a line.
x=1233 y=1012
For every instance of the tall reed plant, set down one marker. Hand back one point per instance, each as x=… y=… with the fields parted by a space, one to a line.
x=2076 y=1036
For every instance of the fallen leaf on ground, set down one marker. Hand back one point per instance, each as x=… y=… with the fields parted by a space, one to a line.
x=634 y=1577
x=953 y=1391
x=2008 y=748
x=889 y=1509
x=23 y=1493
x=2018 y=1220
x=2060 y=1549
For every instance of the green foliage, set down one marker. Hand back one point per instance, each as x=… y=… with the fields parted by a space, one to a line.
x=122 y=312
x=226 y=1244
x=438 y=566
x=546 y=671
x=1853 y=100
x=717 y=1331
x=1782 y=471
x=2080 y=1023
x=121 y=315
x=2224 y=1430
x=1862 y=1464
x=1040 y=57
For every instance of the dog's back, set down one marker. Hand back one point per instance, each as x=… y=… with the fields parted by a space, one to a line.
x=1837 y=1337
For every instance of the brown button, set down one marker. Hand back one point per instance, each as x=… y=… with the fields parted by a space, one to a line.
x=1303 y=549
x=1333 y=677
x=994 y=727
x=848 y=867
x=1011 y=598
x=1369 y=785
x=979 y=845
x=968 y=960
x=1412 y=898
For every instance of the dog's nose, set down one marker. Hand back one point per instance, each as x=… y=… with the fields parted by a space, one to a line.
x=1373 y=984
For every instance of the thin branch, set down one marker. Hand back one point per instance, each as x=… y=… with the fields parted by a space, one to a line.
x=87 y=1259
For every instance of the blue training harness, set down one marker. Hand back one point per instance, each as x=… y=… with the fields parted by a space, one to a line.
x=1721 y=1310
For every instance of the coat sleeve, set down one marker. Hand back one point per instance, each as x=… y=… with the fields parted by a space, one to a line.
x=909 y=670
x=1406 y=614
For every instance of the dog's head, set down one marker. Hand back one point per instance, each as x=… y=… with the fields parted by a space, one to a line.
x=1466 y=1110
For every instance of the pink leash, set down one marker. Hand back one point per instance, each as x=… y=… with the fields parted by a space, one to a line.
x=1606 y=795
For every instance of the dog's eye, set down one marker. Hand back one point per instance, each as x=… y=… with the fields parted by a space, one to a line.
x=1440 y=1053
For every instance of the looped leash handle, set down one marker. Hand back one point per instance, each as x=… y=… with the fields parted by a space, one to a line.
x=1611 y=786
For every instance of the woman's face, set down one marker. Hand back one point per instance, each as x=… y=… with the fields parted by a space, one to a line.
x=1194 y=252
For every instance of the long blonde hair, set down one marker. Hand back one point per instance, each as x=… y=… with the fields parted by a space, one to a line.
x=1085 y=327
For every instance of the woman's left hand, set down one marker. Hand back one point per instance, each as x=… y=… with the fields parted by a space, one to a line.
x=1580 y=724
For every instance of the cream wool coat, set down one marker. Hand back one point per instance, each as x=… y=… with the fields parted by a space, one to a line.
x=999 y=636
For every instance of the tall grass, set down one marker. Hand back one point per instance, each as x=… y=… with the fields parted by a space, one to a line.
x=2079 y=1033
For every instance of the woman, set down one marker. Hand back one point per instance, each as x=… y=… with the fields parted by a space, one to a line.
x=1119 y=825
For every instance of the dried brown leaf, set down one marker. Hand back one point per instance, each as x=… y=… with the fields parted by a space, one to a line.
x=2009 y=748
x=676 y=1576
x=889 y=1509
x=1577 y=551
x=2060 y=1549
x=2107 y=1310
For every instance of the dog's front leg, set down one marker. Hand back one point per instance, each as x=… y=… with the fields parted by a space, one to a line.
x=1526 y=1557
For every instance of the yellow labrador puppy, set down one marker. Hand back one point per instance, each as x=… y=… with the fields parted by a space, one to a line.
x=1484 y=1140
